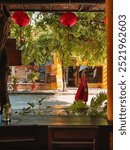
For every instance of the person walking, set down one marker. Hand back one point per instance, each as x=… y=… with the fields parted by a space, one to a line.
x=82 y=92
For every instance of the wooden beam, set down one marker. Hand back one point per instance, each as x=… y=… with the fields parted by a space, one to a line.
x=49 y=1
x=60 y=10
x=58 y=5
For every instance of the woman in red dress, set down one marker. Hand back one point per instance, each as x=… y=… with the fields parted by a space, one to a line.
x=82 y=92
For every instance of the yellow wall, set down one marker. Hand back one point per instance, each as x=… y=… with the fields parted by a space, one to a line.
x=104 y=76
x=58 y=68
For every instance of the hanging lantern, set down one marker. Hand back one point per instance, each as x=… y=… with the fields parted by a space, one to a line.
x=21 y=18
x=68 y=19
x=105 y=20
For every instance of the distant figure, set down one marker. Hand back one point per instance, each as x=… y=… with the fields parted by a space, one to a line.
x=82 y=92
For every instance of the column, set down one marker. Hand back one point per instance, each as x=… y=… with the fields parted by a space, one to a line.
x=109 y=19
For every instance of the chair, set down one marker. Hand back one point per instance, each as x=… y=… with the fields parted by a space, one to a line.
x=18 y=137
x=73 y=137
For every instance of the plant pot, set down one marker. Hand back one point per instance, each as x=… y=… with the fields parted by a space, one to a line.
x=15 y=87
x=6 y=114
x=33 y=87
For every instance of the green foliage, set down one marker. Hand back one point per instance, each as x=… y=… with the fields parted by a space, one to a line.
x=33 y=76
x=86 y=40
x=27 y=45
x=6 y=112
x=98 y=100
x=96 y=107
x=35 y=109
x=14 y=79
x=18 y=32
x=6 y=107
x=78 y=107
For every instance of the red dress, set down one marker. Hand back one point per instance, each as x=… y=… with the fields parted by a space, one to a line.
x=81 y=93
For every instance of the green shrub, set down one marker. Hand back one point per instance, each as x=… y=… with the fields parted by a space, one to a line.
x=15 y=79
x=78 y=107
x=96 y=105
x=33 y=76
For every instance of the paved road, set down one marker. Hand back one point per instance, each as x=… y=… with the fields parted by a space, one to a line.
x=52 y=97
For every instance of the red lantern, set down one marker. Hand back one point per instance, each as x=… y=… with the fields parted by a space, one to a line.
x=68 y=19
x=105 y=20
x=21 y=18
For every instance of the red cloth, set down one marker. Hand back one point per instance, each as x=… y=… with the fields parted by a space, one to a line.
x=81 y=94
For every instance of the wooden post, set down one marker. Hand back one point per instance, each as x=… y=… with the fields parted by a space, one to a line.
x=4 y=72
x=4 y=69
x=109 y=23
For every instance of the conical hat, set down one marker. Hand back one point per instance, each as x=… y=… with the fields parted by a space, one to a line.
x=82 y=67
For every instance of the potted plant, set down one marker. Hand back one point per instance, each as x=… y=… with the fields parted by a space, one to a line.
x=32 y=77
x=15 y=81
x=6 y=113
